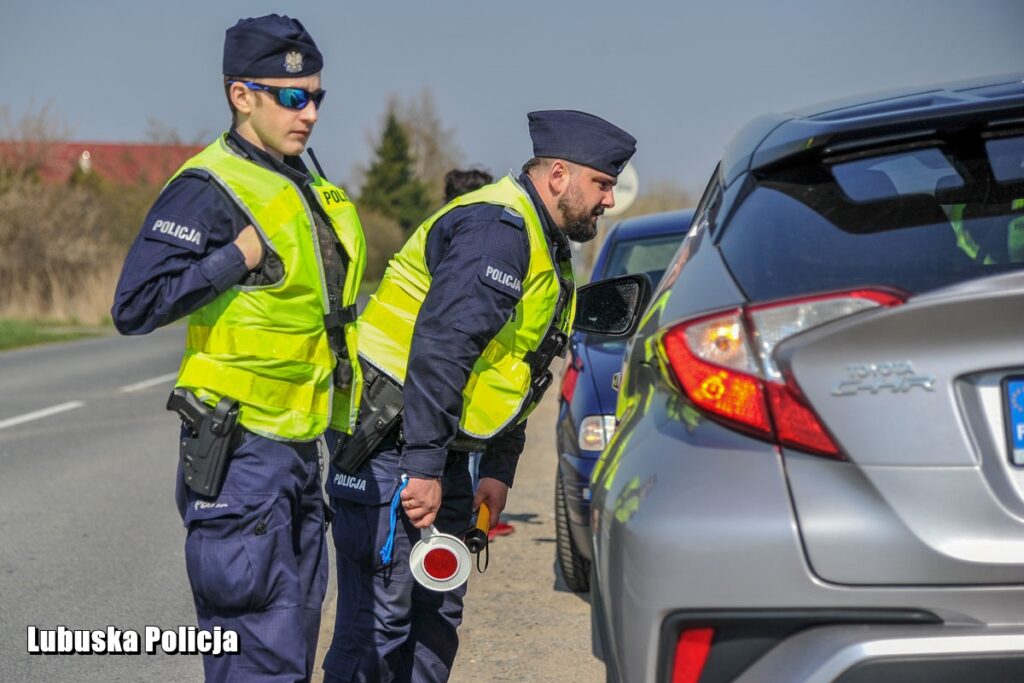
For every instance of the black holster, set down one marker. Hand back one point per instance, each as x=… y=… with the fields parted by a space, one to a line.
x=379 y=413
x=211 y=435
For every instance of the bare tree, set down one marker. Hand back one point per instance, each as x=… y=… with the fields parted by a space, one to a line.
x=160 y=133
x=28 y=140
x=433 y=145
x=662 y=195
x=61 y=243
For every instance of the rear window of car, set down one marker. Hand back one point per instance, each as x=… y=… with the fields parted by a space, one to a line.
x=649 y=255
x=915 y=220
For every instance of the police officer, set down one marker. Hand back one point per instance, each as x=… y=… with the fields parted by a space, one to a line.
x=465 y=322
x=266 y=258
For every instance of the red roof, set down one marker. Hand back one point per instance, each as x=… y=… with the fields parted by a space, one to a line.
x=121 y=163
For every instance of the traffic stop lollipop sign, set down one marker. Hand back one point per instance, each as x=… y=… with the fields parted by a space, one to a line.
x=442 y=562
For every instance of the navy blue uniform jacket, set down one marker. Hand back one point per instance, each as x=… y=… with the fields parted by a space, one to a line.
x=463 y=310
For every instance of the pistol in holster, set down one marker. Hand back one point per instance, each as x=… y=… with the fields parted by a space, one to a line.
x=206 y=448
x=379 y=412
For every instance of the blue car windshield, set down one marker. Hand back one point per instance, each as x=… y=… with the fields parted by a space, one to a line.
x=649 y=255
x=915 y=222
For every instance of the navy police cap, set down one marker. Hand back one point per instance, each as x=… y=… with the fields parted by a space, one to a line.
x=273 y=46
x=581 y=138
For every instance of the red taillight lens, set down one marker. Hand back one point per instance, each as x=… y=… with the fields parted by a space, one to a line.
x=691 y=654
x=727 y=392
x=731 y=374
x=795 y=424
x=572 y=373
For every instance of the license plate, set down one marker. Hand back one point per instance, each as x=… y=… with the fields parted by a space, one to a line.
x=1013 y=399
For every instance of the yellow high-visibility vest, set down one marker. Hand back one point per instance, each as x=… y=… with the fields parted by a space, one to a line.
x=498 y=392
x=267 y=346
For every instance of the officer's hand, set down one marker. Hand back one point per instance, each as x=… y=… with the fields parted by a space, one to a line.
x=493 y=492
x=249 y=242
x=421 y=500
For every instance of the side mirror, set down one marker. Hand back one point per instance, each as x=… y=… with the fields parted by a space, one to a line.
x=612 y=307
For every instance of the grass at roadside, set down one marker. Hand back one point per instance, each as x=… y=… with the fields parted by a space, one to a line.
x=15 y=333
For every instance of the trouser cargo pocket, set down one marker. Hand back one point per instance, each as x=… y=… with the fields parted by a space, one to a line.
x=239 y=553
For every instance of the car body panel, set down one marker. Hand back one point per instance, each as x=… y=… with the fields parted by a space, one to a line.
x=921 y=513
x=927 y=511
x=725 y=537
x=771 y=138
x=598 y=360
x=833 y=653
x=602 y=360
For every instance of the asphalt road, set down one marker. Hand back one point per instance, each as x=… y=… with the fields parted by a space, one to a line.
x=90 y=536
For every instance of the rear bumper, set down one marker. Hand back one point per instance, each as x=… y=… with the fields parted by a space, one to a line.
x=846 y=646
x=698 y=518
x=742 y=637
x=893 y=653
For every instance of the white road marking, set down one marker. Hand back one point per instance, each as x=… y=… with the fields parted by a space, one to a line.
x=145 y=384
x=39 y=414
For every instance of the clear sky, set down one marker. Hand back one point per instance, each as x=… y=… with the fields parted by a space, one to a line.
x=681 y=75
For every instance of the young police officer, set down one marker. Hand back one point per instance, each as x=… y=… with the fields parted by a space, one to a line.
x=459 y=336
x=266 y=257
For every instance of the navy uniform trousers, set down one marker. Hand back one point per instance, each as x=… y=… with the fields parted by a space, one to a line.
x=388 y=627
x=257 y=560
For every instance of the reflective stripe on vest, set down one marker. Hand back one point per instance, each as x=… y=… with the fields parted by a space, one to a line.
x=266 y=346
x=499 y=384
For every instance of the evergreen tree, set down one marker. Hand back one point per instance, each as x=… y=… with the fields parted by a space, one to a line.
x=391 y=187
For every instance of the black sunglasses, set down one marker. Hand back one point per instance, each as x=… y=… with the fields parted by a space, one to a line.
x=292 y=98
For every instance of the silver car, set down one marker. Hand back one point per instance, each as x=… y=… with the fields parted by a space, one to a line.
x=818 y=473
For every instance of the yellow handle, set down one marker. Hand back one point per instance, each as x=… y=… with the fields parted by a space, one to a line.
x=483 y=518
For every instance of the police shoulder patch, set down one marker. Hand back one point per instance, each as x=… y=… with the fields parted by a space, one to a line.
x=501 y=276
x=176 y=231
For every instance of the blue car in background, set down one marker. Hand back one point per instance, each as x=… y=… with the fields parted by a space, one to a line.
x=586 y=417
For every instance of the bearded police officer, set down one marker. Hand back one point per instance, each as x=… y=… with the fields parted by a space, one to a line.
x=266 y=258
x=456 y=344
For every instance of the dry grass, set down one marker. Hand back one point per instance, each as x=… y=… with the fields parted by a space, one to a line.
x=61 y=246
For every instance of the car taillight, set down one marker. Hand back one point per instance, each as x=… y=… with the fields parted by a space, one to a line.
x=773 y=323
x=568 y=388
x=713 y=363
x=691 y=654
x=724 y=363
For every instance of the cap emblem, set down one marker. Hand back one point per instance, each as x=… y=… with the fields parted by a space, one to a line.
x=293 y=62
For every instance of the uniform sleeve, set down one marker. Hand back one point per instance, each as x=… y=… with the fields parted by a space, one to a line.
x=502 y=456
x=182 y=258
x=477 y=257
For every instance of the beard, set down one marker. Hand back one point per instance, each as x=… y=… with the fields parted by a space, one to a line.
x=580 y=220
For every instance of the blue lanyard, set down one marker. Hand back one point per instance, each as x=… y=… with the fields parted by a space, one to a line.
x=385 y=552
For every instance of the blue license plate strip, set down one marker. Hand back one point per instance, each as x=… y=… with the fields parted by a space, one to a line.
x=1013 y=401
